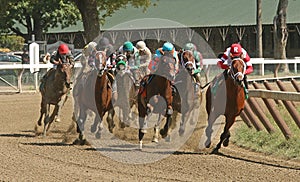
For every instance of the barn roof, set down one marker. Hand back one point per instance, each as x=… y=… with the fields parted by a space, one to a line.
x=195 y=13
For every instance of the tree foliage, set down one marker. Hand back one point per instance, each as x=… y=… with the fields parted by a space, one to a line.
x=94 y=12
x=28 y=17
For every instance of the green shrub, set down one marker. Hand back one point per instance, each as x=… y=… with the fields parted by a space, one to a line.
x=12 y=42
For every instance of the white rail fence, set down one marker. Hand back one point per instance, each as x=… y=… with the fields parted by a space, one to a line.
x=207 y=62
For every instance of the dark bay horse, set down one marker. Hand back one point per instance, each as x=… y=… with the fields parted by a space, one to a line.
x=84 y=97
x=234 y=99
x=54 y=92
x=153 y=88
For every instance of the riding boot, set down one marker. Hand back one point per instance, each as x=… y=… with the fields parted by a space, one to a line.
x=198 y=83
x=245 y=84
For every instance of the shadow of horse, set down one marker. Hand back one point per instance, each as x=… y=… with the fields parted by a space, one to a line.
x=54 y=92
x=225 y=97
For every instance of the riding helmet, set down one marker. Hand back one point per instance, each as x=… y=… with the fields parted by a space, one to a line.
x=63 y=49
x=128 y=46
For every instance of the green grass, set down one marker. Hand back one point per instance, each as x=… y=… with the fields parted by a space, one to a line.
x=271 y=144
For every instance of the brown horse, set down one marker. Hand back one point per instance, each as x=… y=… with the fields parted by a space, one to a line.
x=234 y=99
x=54 y=92
x=84 y=97
x=183 y=97
x=153 y=87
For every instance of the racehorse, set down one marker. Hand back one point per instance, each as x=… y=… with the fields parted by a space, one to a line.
x=126 y=95
x=84 y=97
x=54 y=92
x=153 y=87
x=183 y=97
x=235 y=100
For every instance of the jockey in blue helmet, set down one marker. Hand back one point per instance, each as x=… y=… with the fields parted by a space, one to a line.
x=167 y=47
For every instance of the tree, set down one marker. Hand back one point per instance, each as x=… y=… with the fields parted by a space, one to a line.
x=280 y=34
x=94 y=12
x=36 y=17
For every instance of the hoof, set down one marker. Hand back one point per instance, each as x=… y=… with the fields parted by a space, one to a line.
x=226 y=142
x=215 y=151
x=168 y=138
x=122 y=125
x=57 y=120
x=207 y=144
x=141 y=146
x=163 y=133
x=98 y=135
x=93 y=128
x=144 y=131
x=155 y=140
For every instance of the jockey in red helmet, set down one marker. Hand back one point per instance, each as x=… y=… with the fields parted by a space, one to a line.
x=234 y=51
x=62 y=55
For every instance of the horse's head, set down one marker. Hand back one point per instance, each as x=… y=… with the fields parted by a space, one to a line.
x=64 y=73
x=166 y=66
x=100 y=60
x=188 y=61
x=237 y=70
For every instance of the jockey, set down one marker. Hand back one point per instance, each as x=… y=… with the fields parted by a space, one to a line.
x=132 y=56
x=104 y=45
x=198 y=59
x=236 y=51
x=167 y=47
x=145 y=56
x=197 y=55
x=62 y=55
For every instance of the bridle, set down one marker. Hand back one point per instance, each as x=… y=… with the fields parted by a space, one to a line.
x=236 y=74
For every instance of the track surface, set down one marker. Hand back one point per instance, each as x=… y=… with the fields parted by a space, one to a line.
x=26 y=157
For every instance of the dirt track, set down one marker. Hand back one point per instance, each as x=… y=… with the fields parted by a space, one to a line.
x=26 y=157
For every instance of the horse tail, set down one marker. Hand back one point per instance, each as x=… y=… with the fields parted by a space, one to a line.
x=202 y=87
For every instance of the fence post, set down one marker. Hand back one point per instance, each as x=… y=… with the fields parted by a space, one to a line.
x=246 y=119
x=289 y=106
x=268 y=87
x=295 y=84
x=276 y=115
x=252 y=118
x=260 y=114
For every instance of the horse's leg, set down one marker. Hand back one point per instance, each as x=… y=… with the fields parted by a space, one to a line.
x=156 y=129
x=53 y=115
x=110 y=119
x=226 y=134
x=60 y=104
x=42 y=112
x=97 y=120
x=46 y=119
x=164 y=132
x=209 y=129
x=184 y=118
x=142 y=124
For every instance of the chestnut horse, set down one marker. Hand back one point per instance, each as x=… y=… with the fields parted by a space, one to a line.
x=153 y=87
x=234 y=99
x=84 y=97
x=54 y=92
